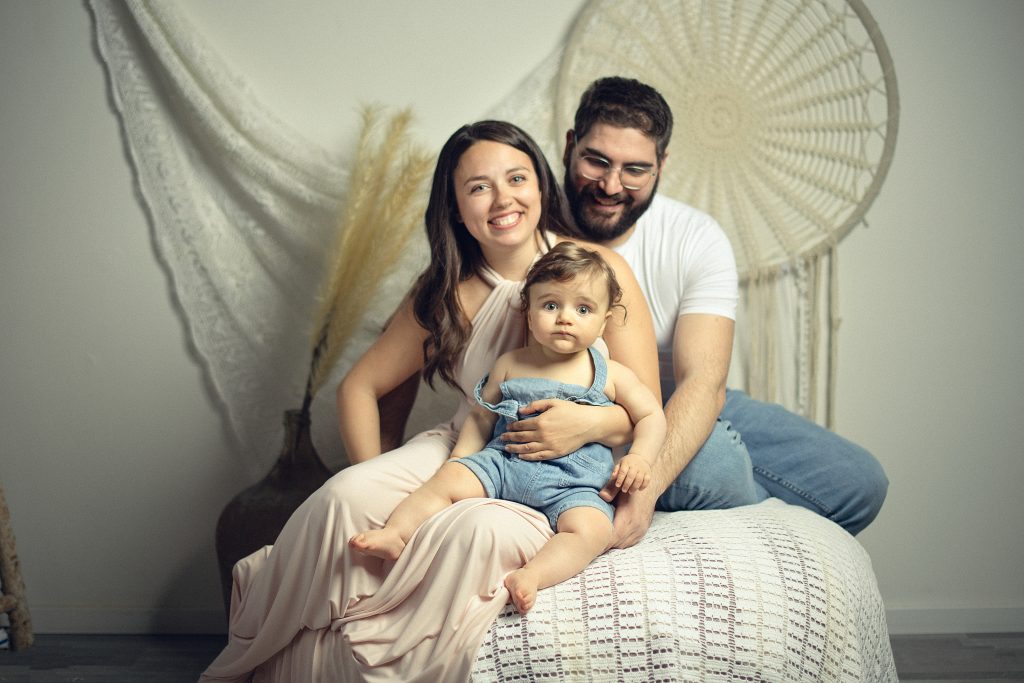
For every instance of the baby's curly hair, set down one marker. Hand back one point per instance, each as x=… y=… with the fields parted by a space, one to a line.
x=563 y=263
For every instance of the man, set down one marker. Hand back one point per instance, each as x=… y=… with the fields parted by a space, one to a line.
x=613 y=158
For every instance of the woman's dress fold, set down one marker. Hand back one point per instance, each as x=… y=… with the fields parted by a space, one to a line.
x=308 y=608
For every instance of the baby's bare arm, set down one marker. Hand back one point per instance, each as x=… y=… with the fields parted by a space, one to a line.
x=633 y=472
x=476 y=430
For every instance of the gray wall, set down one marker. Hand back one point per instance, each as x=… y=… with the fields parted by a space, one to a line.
x=115 y=463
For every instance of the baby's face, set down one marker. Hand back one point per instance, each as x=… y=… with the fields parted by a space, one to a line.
x=568 y=316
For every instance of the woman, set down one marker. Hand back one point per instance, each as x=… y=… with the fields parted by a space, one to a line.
x=310 y=608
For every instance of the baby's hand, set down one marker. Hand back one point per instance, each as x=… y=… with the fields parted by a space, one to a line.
x=632 y=473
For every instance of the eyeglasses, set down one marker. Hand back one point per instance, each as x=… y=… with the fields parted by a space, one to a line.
x=631 y=176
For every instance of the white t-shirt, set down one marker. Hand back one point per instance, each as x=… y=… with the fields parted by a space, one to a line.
x=684 y=264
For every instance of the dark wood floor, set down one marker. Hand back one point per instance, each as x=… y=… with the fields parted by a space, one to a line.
x=972 y=657
x=110 y=659
x=169 y=659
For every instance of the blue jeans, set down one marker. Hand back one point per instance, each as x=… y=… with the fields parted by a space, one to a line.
x=780 y=455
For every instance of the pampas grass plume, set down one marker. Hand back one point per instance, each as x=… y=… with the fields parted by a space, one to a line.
x=385 y=204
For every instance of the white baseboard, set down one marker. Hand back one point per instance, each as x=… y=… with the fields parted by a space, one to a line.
x=139 y=621
x=935 y=621
x=127 y=621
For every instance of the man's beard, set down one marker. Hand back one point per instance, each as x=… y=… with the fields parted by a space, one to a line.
x=599 y=229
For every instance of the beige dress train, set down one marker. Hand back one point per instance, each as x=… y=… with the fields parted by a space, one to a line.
x=309 y=609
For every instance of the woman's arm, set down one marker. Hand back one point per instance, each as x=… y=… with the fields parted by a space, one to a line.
x=394 y=357
x=395 y=408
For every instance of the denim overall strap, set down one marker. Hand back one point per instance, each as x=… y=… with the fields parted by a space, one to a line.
x=595 y=394
x=600 y=371
x=508 y=408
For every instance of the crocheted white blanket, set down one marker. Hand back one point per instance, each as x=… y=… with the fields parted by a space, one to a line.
x=770 y=592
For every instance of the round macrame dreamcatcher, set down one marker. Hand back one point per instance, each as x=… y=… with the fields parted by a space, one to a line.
x=786 y=116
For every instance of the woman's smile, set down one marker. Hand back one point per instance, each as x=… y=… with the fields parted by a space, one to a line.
x=507 y=220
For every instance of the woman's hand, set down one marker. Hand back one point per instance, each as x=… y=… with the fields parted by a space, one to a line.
x=559 y=427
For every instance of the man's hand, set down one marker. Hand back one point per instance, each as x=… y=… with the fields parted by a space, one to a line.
x=558 y=428
x=633 y=515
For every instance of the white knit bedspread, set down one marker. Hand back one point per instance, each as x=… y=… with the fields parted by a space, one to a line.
x=769 y=592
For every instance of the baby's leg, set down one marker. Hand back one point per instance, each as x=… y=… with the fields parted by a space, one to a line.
x=451 y=483
x=583 y=534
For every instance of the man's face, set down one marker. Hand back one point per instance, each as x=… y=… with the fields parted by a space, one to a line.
x=605 y=210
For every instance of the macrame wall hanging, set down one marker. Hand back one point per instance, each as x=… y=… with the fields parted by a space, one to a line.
x=786 y=117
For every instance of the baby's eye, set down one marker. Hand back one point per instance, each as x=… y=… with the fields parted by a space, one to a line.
x=550 y=306
x=583 y=310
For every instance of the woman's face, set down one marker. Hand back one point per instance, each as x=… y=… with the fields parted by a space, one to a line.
x=498 y=196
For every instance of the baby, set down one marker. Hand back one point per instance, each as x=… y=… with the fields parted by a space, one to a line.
x=568 y=298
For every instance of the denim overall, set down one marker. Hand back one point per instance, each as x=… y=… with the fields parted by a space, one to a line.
x=550 y=486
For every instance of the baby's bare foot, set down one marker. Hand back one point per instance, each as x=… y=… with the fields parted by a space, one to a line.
x=383 y=543
x=522 y=586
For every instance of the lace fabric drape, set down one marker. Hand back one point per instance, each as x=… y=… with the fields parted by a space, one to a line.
x=242 y=211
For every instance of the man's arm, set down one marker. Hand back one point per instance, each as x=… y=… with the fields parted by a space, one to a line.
x=702 y=349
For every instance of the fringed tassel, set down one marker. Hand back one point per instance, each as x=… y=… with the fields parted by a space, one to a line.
x=833 y=335
x=762 y=347
x=386 y=192
x=770 y=304
x=755 y=318
x=756 y=353
x=803 y=299
x=809 y=372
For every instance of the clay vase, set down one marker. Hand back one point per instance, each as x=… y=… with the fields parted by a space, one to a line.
x=254 y=517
